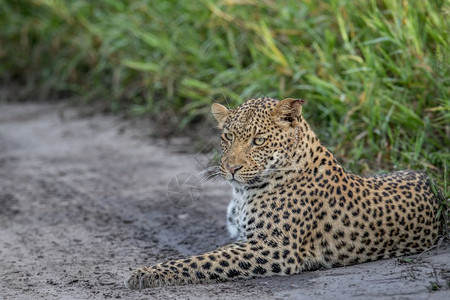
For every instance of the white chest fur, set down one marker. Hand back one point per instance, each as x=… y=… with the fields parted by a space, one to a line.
x=236 y=213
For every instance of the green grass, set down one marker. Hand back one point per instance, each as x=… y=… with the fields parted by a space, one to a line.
x=375 y=73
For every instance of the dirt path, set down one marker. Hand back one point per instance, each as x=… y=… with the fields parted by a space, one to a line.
x=84 y=200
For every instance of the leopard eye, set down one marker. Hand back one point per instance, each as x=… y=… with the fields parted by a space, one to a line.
x=258 y=141
x=228 y=136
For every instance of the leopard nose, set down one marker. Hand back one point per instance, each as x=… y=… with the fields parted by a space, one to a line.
x=234 y=169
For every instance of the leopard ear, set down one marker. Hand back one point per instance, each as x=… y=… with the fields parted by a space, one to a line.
x=287 y=112
x=220 y=113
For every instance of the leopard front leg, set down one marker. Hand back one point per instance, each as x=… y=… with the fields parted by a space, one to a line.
x=235 y=261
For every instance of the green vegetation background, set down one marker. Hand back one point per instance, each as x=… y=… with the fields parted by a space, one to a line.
x=375 y=74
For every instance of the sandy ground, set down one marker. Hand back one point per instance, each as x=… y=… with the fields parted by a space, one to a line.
x=83 y=200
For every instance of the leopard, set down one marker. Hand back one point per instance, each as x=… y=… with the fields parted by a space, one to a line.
x=295 y=208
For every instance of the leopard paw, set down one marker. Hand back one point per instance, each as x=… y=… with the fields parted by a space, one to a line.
x=139 y=279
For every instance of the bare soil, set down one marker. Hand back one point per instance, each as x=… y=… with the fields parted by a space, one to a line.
x=83 y=200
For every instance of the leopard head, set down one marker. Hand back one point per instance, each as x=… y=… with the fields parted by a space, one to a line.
x=258 y=138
